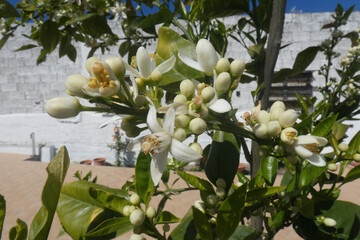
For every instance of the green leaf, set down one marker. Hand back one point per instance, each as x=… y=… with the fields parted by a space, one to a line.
x=171 y=43
x=144 y=185
x=20 y=231
x=120 y=225
x=202 y=224
x=167 y=217
x=2 y=212
x=49 y=35
x=324 y=127
x=78 y=212
x=124 y=48
x=352 y=175
x=7 y=10
x=164 y=15
x=230 y=213
x=196 y=182
x=223 y=158
x=269 y=168
x=309 y=174
x=115 y=202
x=80 y=18
x=354 y=145
x=3 y=40
x=262 y=193
x=339 y=130
x=25 y=47
x=243 y=232
x=186 y=228
x=42 y=57
x=56 y=170
x=96 y=26
x=71 y=52
x=216 y=9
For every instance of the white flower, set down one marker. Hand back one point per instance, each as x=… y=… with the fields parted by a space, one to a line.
x=219 y=105
x=307 y=147
x=162 y=141
x=118 y=10
x=206 y=57
x=147 y=65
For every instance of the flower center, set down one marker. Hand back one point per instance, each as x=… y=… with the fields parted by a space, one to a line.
x=101 y=77
x=291 y=135
x=151 y=144
x=312 y=147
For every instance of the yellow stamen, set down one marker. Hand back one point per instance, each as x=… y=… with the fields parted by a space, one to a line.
x=313 y=147
x=101 y=77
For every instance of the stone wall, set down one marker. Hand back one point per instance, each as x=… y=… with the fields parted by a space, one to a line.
x=25 y=87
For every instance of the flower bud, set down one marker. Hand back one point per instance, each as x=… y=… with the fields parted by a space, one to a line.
x=273 y=128
x=155 y=76
x=137 y=217
x=200 y=205
x=278 y=149
x=197 y=125
x=187 y=88
x=150 y=212
x=140 y=101
x=213 y=220
x=332 y=167
x=222 y=82
x=117 y=66
x=166 y=227
x=276 y=113
x=179 y=134
x=223 y=65
x=329 y=222
x=127 y=123
x=288 y=118
x=212 y=200
x=180 y=98
x=263 y=116
x=74 y=85
x=135 y=199
x=343 y=147
x=220 y=192
x=288 y=135
x=207 y=94
x=263 y=152
x=63 y=107
x=126 y=211
x=89 y=63
x=220 y=183
x=140 y=82
x=196 y=147
x=260 y=131
x=237 y=67
x=136 y=237
x=182 y=121
x=277 y=104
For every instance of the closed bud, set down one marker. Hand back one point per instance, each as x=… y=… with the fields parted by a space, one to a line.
x=180 y=98
x=63 y=107
x=263 y=116
x=155 y=76
x=179 y=134
x=136 y=237
x=278 y=149
x=276 y=113
x=200 y=205
x=135 y=199
x=207 y=94
x=89 y=63
x=260 y=131
x=212 y=200
x=223 y=65
x=196 y=147
x=288 y=135
x=222 y=82
x=140 y=82
x=213 y=220
x=343 y=147
x=74 y=85
x=277 y=104
x=140 y=101
x=220 y=192
x=237 y=67
x=332 y=167
x=263 y=152
x=356 y=157
x=273 y=128
x=187 y=88
x=288 y=118
x=150 y=212
x=329 y=222
x=166 y=227
x=117 y=66
x=197 y=125
x=220 y=183
x=137 y=217
x=182 y=121
x=126 y=211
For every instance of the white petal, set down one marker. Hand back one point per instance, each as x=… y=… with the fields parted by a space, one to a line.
x=221 y=106
x=306 y=139
x=111 y=120
x=135 y=145
x=191 y=63
x=322 y=141
x=132 y=70
x=167 y=65
x=182 y=152
x=110 y=91
x=169 y=121
x=93 y=92
x=316 y=160
x=134 y=85
x=303 y=152
x=151 y=120
x=179 y=107
x=206 y=55
x=157 y=166
x=144 y=62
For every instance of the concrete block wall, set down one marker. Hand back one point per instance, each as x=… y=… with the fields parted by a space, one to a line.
x=25 y=87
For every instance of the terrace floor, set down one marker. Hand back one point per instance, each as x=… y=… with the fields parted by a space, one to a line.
x=21 y=183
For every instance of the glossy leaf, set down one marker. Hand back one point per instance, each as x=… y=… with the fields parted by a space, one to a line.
x=324 y=127
x=167 y=217
x=2 y=212
x=185 y=229
x=49 y=35
x=120 y=225
x=4 y=39
x=262 y=193
x=144 y=186
x=196 y=181
x=309 y=174
x=243 y=232
x=269 y=168
x=354 y=145
x=339 y=130
x=171 y=43
x=7 y=10
x=216 y=9
x=56 y=170
x=223 y=158
x=26 y=47
x=352 y=175
x=112 y=201
x=96 y=26
x=19 y=232
x=230 y=213
x=202 y=224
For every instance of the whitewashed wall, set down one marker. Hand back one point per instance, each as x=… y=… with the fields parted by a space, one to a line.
x=25 y=87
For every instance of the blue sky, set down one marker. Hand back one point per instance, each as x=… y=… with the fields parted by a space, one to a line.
x=307 y=5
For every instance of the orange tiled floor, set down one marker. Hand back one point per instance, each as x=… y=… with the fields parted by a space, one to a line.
x=21 y=183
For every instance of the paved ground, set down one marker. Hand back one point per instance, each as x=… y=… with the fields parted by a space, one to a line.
x=21 y=183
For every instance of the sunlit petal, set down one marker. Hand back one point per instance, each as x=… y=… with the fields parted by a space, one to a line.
x=167 y=65
x=303 y=152
x=111 y=120
x=322 y=141
x=306 y=139
x=191 y=63
x=182 y=152
x=151 y=120
x=144 y=62
x=206 y=55
x=169 y=121
x=135 y=145
x=131 y=69
x=93 y=92
x=179 y=107
x=134 y=85
x=316 y=160
x=221 y=106
x=157 y=166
